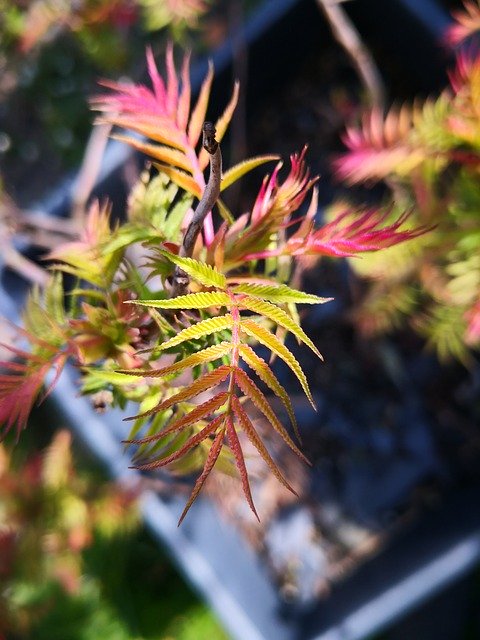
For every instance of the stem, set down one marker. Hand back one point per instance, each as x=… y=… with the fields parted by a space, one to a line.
x=22 y=265
x=350 y=40
x=89 y=171
x=207 y=201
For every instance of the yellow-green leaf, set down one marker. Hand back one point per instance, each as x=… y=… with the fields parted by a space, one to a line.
x=205 y=355
x=234 y=173
x=225 y=212
x=280 y=317
x=199 y=271
x=279 y=293
x=265 y=374
x=114 y=377
x=198 y=330
x=273 y=343
x=200 y=300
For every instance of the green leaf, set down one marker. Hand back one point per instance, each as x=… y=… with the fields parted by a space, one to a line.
x=236 y=172
x=176 y=216
x=88 y=293
x=129 y=234
x=44 y=315
x=199 y=271
x=54 y=295
x=225 y=212
x=279 y=293
x=113 y=377
x=151 y=399
x=200 y=300
x=178 y=452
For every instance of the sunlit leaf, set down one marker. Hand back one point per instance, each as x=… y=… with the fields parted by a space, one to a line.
x=257 y=442
x=279 y=293
x=200 y=300
x=253 y=393
x=280 y=317
x=236 y=172
x=199 y=271
x=199 y=330
x=264 y=372
x=278 y=348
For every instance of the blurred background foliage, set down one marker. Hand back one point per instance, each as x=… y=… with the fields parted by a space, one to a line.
x=52 y=53
x=76 y=562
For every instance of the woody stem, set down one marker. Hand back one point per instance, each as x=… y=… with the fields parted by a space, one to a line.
x=205 y=205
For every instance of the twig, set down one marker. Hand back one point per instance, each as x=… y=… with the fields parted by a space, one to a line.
x=207 y=201
x=238 y=140
x=39 y=221
x=349 y=38
x=22 y=265
x=89 y=170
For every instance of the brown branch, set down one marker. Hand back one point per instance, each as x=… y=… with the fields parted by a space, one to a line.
x=348 y=37
x=205 y=205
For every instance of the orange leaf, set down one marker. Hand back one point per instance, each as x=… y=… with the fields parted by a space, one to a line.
x=204 y=383
x=255 y=439
x=221 y=124
x=163 y=153
x=198 y=114
x=180 y=178
x=200 y=411
x=253 y=393
x=189 y=444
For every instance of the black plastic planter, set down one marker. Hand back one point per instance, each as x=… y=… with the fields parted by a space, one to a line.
x=431 y=553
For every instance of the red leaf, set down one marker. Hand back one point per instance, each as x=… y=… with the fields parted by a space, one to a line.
x=255 y=439
x=200 y=411
x=189 y=444
x=236 y=448
x=209 y=464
